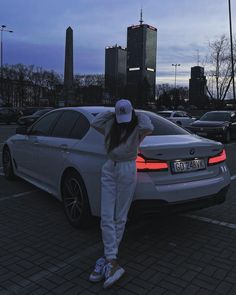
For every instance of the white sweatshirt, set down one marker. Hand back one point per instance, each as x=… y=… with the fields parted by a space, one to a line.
x=127 y=150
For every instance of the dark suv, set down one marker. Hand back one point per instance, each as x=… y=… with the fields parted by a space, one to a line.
x=8 y=115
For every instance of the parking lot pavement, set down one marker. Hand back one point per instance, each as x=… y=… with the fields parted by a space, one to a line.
x=40 y=253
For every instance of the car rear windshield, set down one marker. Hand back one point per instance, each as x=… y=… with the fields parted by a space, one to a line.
x=215 y=117
x=41 y=112
x=164 y=114
x=163 y=126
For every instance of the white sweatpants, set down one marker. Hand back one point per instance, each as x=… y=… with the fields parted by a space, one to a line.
x=118 y=183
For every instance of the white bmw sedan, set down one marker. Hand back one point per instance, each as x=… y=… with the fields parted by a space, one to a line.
x=61 y=154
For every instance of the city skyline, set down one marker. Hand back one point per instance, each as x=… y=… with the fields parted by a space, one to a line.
x=184 y=30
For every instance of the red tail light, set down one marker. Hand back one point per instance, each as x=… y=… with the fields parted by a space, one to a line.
x=221 y=157
x=143 y=164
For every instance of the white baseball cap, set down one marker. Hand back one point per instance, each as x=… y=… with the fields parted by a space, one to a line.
x=123 y=110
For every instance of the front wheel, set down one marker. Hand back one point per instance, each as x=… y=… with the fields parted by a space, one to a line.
x=7 y=164
x=75 y=200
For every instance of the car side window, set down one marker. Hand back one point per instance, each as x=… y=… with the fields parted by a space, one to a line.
x=81 y=127
x=177 y=115
x=185 y=115
x=43 y=127
x=65 y=124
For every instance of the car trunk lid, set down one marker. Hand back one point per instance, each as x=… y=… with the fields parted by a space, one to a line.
x=188 y=149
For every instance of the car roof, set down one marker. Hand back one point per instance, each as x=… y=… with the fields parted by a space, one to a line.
x=227 y=112
x=90 y=109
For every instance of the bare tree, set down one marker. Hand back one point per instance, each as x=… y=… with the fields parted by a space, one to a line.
x=219 y=68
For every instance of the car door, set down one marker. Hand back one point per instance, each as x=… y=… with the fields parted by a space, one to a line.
x=177 y=118
x=28 y=150
x=55 y=149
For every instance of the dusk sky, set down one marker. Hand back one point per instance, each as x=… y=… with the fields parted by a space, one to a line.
x=184 y=27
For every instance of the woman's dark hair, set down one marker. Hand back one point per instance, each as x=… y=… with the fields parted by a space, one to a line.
x=120 y=132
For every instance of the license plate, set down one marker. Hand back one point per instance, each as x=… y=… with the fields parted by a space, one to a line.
x=188 y=166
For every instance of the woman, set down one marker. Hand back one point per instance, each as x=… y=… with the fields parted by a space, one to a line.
x=123 y=132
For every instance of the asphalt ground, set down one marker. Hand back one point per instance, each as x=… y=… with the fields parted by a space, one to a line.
x=40 y=253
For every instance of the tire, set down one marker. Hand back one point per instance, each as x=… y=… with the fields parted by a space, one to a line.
x=7 y=164
x=75 y=200
x=227 y=137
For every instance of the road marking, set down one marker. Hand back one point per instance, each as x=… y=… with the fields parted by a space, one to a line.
x=213 y=221
x=18 y=195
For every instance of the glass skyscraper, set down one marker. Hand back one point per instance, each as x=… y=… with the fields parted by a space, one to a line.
x=198 y=87
x=115 y=71
x=141 y=62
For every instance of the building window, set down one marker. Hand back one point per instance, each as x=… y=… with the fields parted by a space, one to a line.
x=134 y=69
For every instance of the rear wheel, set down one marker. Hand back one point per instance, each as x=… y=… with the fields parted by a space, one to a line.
x=75 y=200
x=7 y=164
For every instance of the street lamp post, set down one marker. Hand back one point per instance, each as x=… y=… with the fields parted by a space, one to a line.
x=3 y=28
x=232 y=54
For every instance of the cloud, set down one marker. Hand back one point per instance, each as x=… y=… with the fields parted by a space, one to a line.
x=39 y=30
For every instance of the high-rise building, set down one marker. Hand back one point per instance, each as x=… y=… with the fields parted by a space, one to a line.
x=115 y=71
x=197 y=87
x=141 y=62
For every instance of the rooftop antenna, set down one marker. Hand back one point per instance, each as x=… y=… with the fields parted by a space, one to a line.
x=141 y=17
x=198 y=57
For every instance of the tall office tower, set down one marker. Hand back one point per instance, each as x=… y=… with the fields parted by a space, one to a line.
x=197 y=87
x=141 y=62
x=115 y=71
x=68 y=69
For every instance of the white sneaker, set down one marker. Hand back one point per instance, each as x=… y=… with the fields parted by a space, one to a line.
x=112 y=272
x=98 y=273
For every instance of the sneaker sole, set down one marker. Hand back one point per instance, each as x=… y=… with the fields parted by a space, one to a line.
x=95 y=280
x=109 y=282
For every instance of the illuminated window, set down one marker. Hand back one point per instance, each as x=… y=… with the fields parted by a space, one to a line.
x=150 y=70
x=134 y=69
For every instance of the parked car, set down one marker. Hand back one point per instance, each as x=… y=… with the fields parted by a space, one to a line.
x=219 y=125
x=29 y=120
x=179 y=117
x=26 y=111
x=8 y=115
x=61 y=154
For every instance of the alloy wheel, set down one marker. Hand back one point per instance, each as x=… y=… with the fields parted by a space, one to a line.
x=73 y=198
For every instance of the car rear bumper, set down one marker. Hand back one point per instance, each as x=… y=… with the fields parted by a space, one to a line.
x=162 y=207
x=183 y=188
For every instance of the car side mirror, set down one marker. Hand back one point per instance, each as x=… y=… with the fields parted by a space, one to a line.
x=22 y=130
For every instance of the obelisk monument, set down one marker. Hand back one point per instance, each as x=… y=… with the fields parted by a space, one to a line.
x=68 y=69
